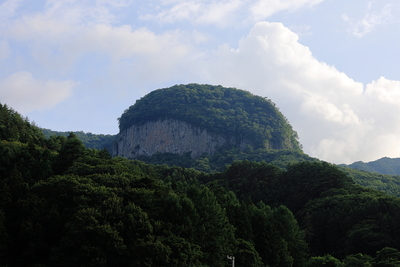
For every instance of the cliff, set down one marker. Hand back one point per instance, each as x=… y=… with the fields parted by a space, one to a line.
x=171 y=136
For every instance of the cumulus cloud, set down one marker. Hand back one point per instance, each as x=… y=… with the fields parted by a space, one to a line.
x=338 y=119
x=25 y=93
x=360 y=27
x=386 y=91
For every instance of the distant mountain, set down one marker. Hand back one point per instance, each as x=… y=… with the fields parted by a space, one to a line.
x=384 y=165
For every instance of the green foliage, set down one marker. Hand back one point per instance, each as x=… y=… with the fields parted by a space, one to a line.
x=235 y=114
x=13 y=127
x=358 y=260
x=62 y=204
x=345 y=224
x=310 y=180
x=326 y=260
x=226 y=156
x=390 y=184
x=90 y=140
x=70 y=151
x=338 y=216
x=387 y=257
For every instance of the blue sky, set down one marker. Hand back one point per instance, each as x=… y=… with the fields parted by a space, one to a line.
x=332 y=67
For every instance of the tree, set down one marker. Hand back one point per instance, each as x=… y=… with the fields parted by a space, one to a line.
x=326 y=260
x=358 y=260
x=70 y=151
x=213 y=232
x=387 y=257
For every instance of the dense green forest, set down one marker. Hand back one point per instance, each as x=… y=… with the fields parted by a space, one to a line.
x=390 y=184
x=90 y=140
x=225 y=156
x=62 y=204
x=371 y=174
x=229 y=112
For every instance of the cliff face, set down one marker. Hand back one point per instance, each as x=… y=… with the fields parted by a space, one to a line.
x=170 y=136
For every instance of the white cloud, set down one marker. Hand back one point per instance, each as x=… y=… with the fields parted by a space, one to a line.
x=24 y=93
x=336 y=120
x=360 y=27
x=57 y=44
x=263 y=9
x=85 y=11
x=384 y=90
x=178 y=11
x=222 y=13
x=377 y=133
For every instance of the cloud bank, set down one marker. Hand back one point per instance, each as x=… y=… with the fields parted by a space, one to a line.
x=25 y=93
x=338 y=119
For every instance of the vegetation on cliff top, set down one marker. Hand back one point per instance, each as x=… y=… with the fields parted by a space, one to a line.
x=232 y=113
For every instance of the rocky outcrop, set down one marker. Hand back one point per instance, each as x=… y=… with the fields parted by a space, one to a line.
x=171 y=136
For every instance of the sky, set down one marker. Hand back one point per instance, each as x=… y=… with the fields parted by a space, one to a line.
x=332 y=67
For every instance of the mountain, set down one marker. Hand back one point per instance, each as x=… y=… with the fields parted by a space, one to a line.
x=198 y=119
x=384 y=165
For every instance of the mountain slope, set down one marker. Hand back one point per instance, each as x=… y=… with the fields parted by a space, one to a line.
x=384 y=165
x=390 y=184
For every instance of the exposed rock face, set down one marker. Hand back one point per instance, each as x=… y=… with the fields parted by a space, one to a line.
x=170 y=136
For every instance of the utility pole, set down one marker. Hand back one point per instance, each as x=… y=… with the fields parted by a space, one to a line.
x=233 y=259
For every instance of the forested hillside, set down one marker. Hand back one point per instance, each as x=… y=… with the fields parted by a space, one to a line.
x=62 y=204
x=390 y=184
x=384 y=166
x=90 y=140
x=224 y=157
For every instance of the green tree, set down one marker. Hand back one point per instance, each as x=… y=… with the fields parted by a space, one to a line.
x=291 y=234
x=326 y=260
x=70 y=151
x=358 y=260
x=387 y=257
x=213 y=232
